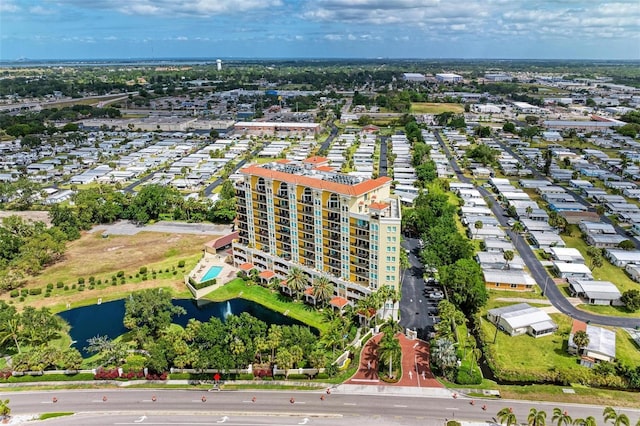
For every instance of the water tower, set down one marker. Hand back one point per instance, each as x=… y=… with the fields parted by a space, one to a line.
x=219 y=64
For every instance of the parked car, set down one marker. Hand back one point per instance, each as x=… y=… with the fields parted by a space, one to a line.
x=436 y=295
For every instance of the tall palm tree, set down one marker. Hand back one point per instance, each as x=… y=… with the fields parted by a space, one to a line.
x=518 y=228
x=389 y=350
x=508 y=256
x=581 y=340
x=562 y=418
x=297 y=280
x=618 y=419
x=322 y=289
x=368 y=306
x=537 y=417
x=11 y=331
x=506 y=416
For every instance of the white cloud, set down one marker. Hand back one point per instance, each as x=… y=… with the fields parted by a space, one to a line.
x=39 y=10
x=333 y=37
x=8 y=6
x=195 y=8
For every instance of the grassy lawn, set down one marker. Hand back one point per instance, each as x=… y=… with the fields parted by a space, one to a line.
x=505 y=294
x=525 y=357
x=583 y=395
x=607 y=272
x=618 y=311
x=626 y=349
x=435 y=108
x=272 y=300
x=102 y=258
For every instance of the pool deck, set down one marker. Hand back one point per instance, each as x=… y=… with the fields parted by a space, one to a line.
x=228 y=272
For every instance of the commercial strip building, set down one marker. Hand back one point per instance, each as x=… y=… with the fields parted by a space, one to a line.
x=304 y=214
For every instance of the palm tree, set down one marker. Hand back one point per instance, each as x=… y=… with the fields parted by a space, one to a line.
x=618 y=419
x=11 y=332
x=478 y=225
x=443 y=354
x=537 y=417
x=508 y=256
x=368 y=306
x=389 y=349
x=297 y=280
x=518 y=228
x=322 y=289
x=589 y=421
x=528 y=210
x=506 y=416
x=5 y=410
x=581 y=340
x=562 y=418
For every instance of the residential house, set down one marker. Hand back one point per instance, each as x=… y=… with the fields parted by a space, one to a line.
x=508 y=279
x=595 y=292
x=622 y=258
x=601 y=347
x=522 y=318
x=571 y=270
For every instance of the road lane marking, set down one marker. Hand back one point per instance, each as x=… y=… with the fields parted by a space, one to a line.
x=349 y=403
x=454 y=409
x=400 y=406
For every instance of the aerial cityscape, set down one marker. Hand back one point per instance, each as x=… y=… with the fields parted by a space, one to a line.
x=320 y=212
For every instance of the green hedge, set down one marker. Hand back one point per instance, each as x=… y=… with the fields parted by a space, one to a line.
x=203 y=284
x=298 y=377
x=49 y=378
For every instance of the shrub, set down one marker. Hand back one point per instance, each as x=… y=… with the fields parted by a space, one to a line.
x=245 y=376
x=73 y=287
x=21 y=298
x=175 y=272
x=50 y=286
x=35 y=291
x=131 y=276
x=114 y=283
x=181 y=264
x=262 y=372
x=122 y=281
x=322 y=376
x=145 y=277
x=99 y=282
x=24 y=292
x=104 y=374
x=166 y=270
x=466 y=377
x=81 y=280
x=81 y=288
x=14 y=293
x=47 y=295
x=91 y=287
x=162 y=376
x=143 y=270
x=91 y=279
x=60 y=284
x=66 y=287
x=120 y=274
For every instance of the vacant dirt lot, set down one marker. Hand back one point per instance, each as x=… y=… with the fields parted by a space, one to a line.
x=93 y=255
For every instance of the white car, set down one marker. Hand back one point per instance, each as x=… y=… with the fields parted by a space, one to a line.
x=436 y=295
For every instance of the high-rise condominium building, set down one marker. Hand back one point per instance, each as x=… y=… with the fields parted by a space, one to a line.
x=330 y=224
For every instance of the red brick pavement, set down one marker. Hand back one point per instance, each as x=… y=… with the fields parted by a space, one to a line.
x=415 y=355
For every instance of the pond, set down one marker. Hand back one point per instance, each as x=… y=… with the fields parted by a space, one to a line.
x=106 y=319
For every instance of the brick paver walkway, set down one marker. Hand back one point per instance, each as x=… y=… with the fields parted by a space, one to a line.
x=415 y=356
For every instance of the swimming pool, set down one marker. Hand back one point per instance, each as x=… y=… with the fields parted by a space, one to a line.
x=212 y=273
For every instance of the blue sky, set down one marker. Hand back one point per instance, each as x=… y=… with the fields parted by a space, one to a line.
x=555 y=29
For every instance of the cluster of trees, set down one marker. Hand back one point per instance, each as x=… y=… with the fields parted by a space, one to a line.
x=449 y=119
x=446 y=250
x=39 y=122
x=104 y=204
x=26 y=248
x=30 y=337
x=235 y=342
x=483 y=154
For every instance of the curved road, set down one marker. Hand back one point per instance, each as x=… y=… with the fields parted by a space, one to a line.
x=544 y=281
x=137 y=406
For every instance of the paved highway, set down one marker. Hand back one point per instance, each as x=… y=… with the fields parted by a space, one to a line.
x=544 y=281
x=171 y=407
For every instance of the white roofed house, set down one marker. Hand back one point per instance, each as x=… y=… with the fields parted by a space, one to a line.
x=522 y=318
x=622 y=258
x=571 y=270
x=601 y=346
x=595 y=292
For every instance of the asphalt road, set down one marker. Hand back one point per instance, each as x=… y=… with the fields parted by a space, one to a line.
x=383 y=163
x=327 y=142
x=415 y=308
x=173 y=407
x=539 y=273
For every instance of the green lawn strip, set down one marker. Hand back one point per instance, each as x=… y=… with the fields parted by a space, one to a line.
x=270 y=299
x=626 y=350
x=467 y=364
x=46 y=416
x=525 y=358
x=607 y=272
x=271 y=386
x=617 y=311
x=435 y=108
x=583 y=395
x=506 y=294
x=49 y=378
